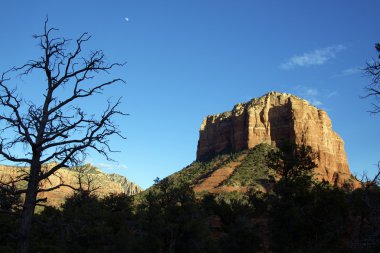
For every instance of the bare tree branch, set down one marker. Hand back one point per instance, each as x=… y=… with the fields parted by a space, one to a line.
x=58 y=129
x=372 y=70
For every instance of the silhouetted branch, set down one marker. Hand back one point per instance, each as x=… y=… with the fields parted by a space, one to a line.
x=372 y=70
x=57 y=128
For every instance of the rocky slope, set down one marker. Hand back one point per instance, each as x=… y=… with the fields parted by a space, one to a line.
x=238 y=171
x=103 y=184
x=276 y=119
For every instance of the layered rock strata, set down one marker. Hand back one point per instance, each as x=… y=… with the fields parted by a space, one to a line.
x=276 y=118
x=103 y=184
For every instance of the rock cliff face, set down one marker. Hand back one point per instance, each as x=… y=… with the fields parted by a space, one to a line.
x=276 y=118
x=103 y=183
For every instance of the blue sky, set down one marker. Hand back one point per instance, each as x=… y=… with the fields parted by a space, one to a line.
x=188 y=59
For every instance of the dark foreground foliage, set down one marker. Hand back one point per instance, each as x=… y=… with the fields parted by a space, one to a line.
x=296 y=215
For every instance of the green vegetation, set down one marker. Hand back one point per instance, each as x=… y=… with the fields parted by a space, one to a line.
x=199 y=170
x=253 y=170
x=297 y=214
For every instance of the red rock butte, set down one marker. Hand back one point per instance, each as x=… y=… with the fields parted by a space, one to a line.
x=276 y=118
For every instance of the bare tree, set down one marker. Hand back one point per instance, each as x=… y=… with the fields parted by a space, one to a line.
x=87 y=182
x=56 y=128
x=373 y=71
x=9 y=199
x=371 y=200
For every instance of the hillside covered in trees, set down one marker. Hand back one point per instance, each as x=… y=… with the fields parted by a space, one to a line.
x=282 y=209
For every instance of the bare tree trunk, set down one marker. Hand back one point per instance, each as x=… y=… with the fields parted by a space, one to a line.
x=50 y=129
x=23 y=243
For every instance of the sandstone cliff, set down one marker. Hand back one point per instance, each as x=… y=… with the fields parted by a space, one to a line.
x=103 y=183
x=276 y=118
